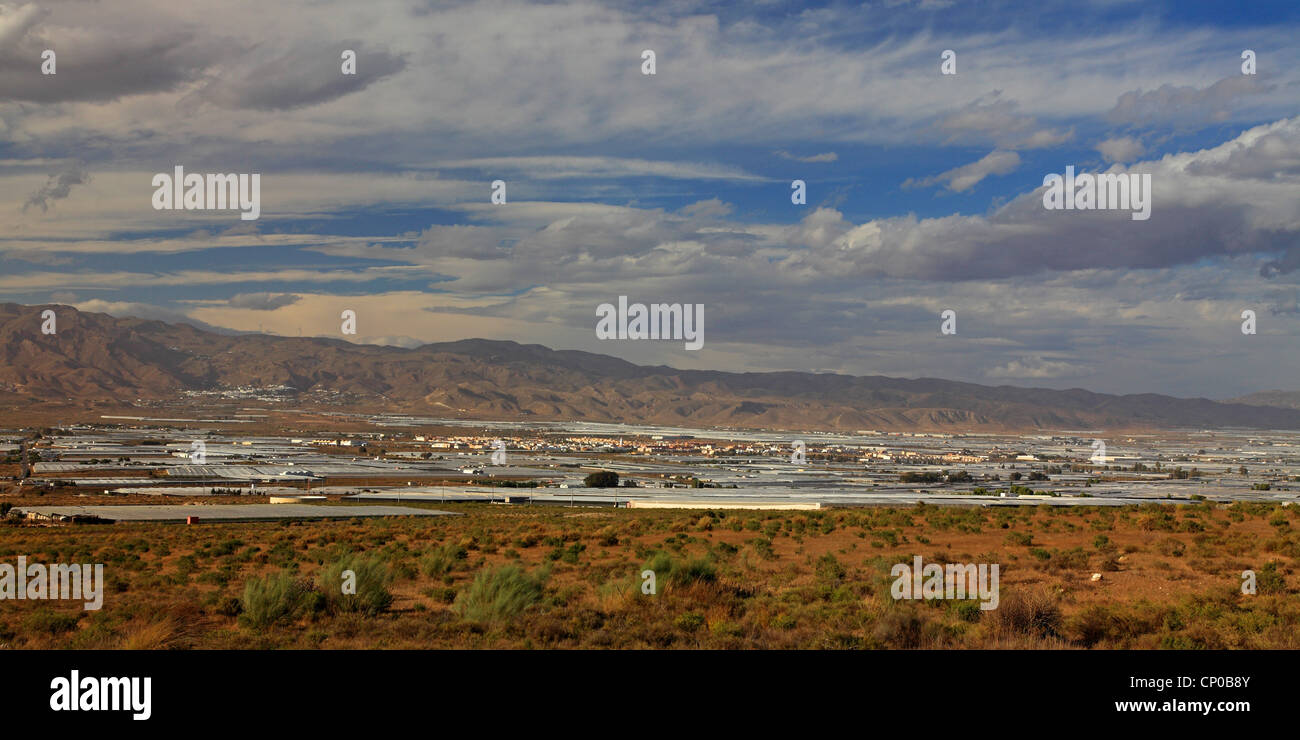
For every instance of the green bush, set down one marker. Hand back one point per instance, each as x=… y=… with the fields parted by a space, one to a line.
x=372 y=577
x=661 y=563
x=571 y=553
x=443 y=560
x=968 y=611
x=695 y=570
x=1072 y=559
x=275 y=599
x=690 y=621
x=499 y=594
x=601 y=479
x=49 y=621
x=441 y=595
x=1269 y=580
x=784 y=621
x=830 y=569
x=762 y=546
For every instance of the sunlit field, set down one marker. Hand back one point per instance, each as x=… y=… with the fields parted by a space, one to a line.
x=1154 y=577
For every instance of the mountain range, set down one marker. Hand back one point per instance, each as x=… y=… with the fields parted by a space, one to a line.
x=94 y=356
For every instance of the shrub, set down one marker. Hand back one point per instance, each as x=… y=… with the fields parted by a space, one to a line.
x=1269 y=580
x=968 y=611
x=690 y=622
x=275 y=599
x=49 y=621
x=499 y=594
x=1073 y=559
x=726 y=629
x=444 y=560
x=229 y=607
x=1035 y=614
x=784 y=621
x=762 y=546
x=899 y=628
x=1092 y=625
x=402 y=570
x=830 y=569
x=372 y=577
x=661 y=563
x=696 y=570
x=1171 y=546
x=442 y=595
x=601 y=479
x=569 y=554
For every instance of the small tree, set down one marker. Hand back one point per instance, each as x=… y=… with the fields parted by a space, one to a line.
x=601 y=479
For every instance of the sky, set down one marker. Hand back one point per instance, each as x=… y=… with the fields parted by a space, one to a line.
x=924 y=190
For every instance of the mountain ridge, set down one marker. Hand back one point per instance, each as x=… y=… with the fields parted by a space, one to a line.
x=98 y=356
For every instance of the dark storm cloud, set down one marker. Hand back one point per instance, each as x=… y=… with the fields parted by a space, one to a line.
x=101 y=67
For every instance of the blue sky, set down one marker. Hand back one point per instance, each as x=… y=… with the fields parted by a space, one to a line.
x=924 y=190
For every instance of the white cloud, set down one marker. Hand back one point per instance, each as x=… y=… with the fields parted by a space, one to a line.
x=965 y=177
x=569 y=167
x=810 y=159
x=1121 y=149
x=1036 y=368
x=1186 y=104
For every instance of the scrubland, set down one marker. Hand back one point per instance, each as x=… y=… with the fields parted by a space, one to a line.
x=550 y=577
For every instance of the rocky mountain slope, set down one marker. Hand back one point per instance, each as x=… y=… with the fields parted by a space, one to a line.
x=96 y=356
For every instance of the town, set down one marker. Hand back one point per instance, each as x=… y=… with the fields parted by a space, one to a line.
x=363 y=458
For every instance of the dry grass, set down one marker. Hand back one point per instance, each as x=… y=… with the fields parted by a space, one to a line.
x=1171 y=579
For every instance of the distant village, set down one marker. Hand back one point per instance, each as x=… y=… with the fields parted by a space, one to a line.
x=404 y=457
